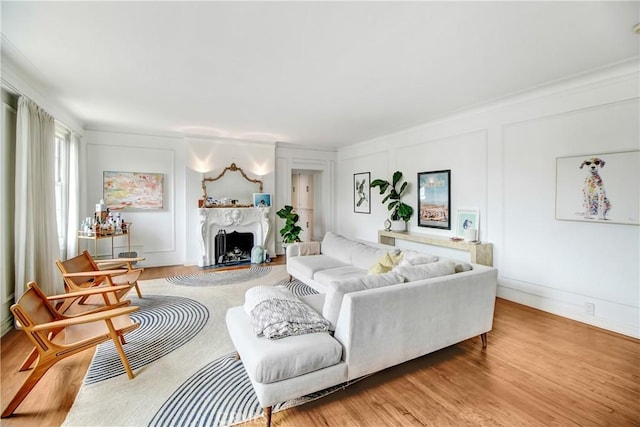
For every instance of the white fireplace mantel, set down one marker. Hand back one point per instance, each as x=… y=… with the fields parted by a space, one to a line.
x=251 y=219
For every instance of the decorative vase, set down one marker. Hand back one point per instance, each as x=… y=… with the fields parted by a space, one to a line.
x=399 y=225
x=387 y=224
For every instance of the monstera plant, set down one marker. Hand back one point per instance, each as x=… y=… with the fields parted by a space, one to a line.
x=398 y=210
x=291 y=231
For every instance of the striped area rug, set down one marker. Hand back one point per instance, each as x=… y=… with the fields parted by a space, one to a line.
x=166 y=323
x=182 y=357
x=229 y=277
x=220 y=395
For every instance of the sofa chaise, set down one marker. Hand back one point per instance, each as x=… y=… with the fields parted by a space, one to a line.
x=383 y=307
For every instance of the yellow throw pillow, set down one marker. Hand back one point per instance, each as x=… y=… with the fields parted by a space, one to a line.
x=385 y=263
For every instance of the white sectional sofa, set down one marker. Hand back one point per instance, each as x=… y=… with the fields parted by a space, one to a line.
x=377 y=320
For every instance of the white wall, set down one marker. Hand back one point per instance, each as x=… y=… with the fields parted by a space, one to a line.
x=502 y=159
x=208 y=158
x=170 y=236
x=158 y=235
x=322 y=164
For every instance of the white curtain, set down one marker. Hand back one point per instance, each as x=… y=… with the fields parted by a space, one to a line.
x=36 y=236
x=71 y=198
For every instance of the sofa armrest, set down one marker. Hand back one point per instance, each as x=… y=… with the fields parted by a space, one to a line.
x=303 y=248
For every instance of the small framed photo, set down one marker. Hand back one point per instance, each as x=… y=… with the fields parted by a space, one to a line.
x=434 y=199
x=362 y=192
x=468 y=224
x=261 y=200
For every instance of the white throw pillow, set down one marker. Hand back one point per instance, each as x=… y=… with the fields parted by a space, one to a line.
x=416 y=258
x=426 y=271
x=337 y=290
x=463 y=266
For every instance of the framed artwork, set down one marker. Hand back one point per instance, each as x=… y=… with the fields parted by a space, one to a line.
x=602 y=188
x=261 y=200
x=132 y=190
x=434 y=199
x=468 y=221
x=362 y=192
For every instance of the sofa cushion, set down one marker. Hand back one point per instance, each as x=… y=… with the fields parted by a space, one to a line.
x=385 y=263
x=269 y=361
x=309 y=265
x=338 y=247
x=337 y=290
x=426 y=271
x=339 y=273
x=366 y=256
x=415 y=258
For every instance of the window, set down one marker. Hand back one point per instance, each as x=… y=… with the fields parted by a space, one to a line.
x=61 y=185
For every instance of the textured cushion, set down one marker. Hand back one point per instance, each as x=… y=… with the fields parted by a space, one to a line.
x=339 y=273
x=337 y=290
x=416 y=258
x=385 y=263
x=269 y=361
x=338 y=247
x=257 y=294
x=310 y=264
x=426 y=271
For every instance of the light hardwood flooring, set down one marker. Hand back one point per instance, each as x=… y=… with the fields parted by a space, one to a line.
x=538 y=370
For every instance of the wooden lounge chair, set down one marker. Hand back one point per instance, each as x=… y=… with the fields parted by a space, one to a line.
x=82 y=272
x=56 y=336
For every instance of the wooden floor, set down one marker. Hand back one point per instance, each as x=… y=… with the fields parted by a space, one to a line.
x=538 y=370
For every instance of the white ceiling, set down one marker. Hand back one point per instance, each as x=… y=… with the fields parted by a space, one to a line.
x=325 y=74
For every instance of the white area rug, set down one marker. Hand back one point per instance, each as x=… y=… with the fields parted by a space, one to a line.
x=119 y=401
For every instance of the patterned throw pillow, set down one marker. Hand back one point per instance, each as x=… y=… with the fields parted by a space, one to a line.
x=385 y=263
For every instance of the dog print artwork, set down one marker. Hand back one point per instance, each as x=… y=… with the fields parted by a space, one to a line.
x=596 y=204
x=601 y=188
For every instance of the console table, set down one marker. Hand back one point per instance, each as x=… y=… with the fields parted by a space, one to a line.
x=83 y=236
x=481 y=253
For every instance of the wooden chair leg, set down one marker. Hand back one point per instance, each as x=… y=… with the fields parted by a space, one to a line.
x=116 y=342
x=138 y=290
x=28 y=385
x=33 y=356
x=28 y=361
x=483 y=337
x=290 y=278
x=267 y=414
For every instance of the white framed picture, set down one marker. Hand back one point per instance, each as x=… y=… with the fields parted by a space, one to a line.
x=262 y=200
x=468 y=224
x=601 y=188
x=362 y=192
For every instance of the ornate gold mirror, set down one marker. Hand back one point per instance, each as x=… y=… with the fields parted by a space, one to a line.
x=232 y=200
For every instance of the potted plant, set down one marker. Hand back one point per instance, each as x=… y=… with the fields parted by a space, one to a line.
x=291 y=231
x=399 y=212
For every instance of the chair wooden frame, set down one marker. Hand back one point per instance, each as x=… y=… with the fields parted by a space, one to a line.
x=43 y=325
x=82 y=272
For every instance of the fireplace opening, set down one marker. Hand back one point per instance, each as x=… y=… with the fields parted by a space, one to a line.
x=233 y=248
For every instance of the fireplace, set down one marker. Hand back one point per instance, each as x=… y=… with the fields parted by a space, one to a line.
x=243 y=220
x=233 y=248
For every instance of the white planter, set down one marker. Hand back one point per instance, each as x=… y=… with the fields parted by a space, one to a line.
x=398 y=225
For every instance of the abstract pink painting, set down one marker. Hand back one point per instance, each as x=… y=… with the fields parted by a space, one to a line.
x=132 y=190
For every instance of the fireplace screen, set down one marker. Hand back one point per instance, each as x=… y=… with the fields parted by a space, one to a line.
x=234 y=247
